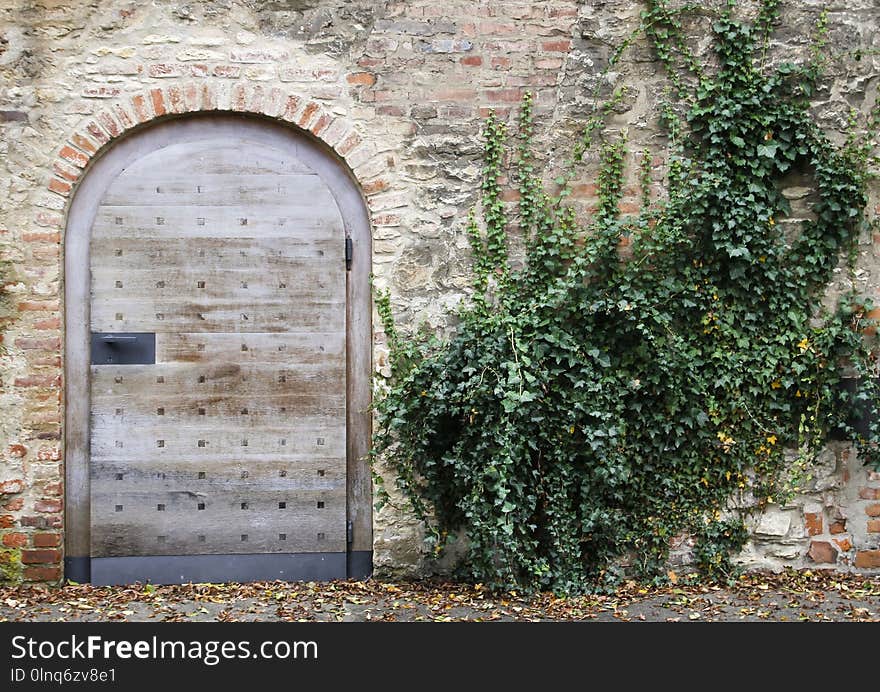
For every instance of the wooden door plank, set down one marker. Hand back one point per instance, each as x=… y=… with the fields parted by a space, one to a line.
x=184 y=188
x=220 y=156
x=289 y=349
x=213 y=380
x=125 y=251
x=220 y=316
x=320 y=220
x=115 y=540
x=305 y=472
x=248 y=285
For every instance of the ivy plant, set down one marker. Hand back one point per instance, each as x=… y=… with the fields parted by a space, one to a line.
x=588 y=409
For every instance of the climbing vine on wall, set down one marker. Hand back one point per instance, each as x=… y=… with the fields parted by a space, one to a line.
x=587 y=410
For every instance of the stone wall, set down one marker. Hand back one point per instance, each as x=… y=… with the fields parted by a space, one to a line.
x=399 y=89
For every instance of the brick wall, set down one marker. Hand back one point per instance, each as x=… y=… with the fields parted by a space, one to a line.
x=399 y=90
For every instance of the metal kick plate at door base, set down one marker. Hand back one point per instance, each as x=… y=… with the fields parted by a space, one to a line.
x=130 y=348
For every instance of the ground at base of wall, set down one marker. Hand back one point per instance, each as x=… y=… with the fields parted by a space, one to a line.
x=790 y=596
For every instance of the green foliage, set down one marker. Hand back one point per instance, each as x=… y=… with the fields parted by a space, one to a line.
x=587 y=410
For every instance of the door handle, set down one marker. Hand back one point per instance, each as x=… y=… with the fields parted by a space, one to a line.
x=133 y=348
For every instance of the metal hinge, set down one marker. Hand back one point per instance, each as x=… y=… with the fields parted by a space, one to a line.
x=349 y=532
x=349 y=253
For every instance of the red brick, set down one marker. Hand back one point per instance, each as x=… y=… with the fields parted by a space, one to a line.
x=77 y=158
x=454 y=95
x=49 y=454
x=472 y=60
x=874 y=526
x=49 y=506
x=123 y=116
x=191 y=97
x=349 y=143
x=822 y=552
x=7 y=521
x=628 y=207
x=176 y=100
x=48 y=219
x=41 y=238
x=17 y=450
x=31 y=343
x=563 y=12
x=161 y=70
x=209 y=98
x=503 y=95
x=320 y=124
x=361 y=78
x=502 y=113
x=38 y=381
x=47 y=540
x=139 y=105
x=54 y=521
x=39 y=306
x=11 y=487
x=293 y=104
x=496 y=28
x=83 y=143
x=158 y=99
x=227 y=71
x=386 y=220
x=868 y=559
x=15 y=540
x=844 y=544
x=14 y=505
x=66 y=172
x=198 y=70
x=501 y=63
x=562 y=46
x=374 y=186
x=869 y=493
x=97 y=132
x=255 y=102
x=307 y=114
x=49 y=324
x=40 y=556
x=42 y=573
x=108 y=122
x=837 y=527
x=100 y=92
x=239 y=97
x=873 y=510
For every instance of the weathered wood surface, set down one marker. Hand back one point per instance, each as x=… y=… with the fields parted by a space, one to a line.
x=212 y=156
x=288 y=349
x=126 y=252
x=319 y=220
x=216 y=315
x=235 y=440
x=212 y=189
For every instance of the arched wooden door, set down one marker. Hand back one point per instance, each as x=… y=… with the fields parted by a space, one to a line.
x=210 y=359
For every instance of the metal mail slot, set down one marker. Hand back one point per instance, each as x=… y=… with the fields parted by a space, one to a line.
x=123 y=348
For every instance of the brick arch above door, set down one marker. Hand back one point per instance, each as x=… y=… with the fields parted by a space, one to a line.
x=97 y=132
